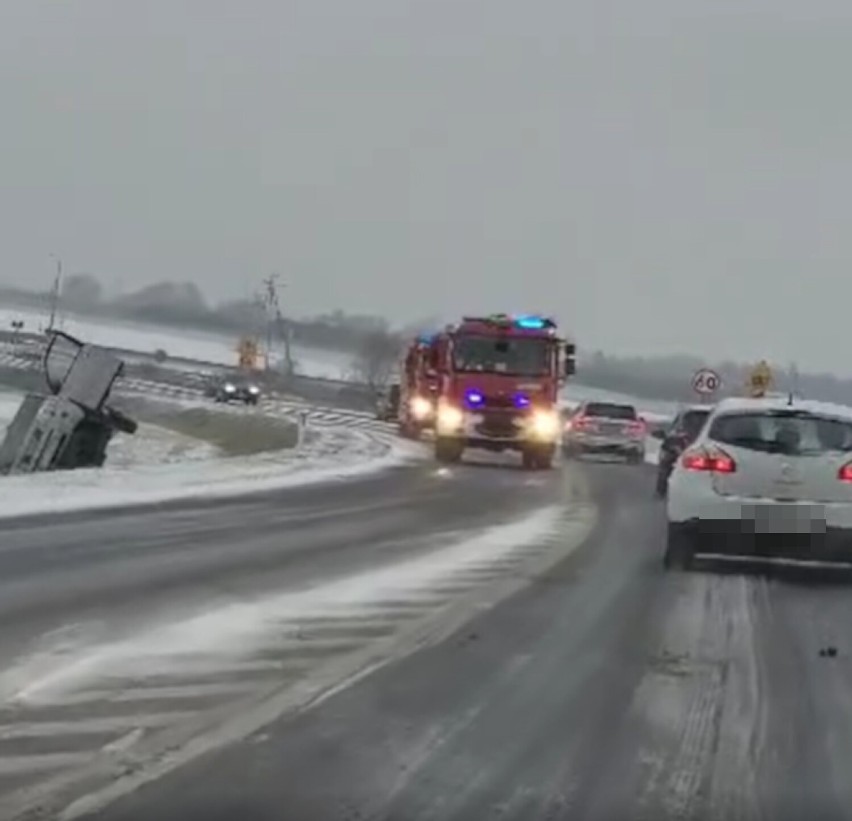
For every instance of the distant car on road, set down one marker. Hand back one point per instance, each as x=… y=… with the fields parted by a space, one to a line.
x=232 y=390
x=764 y=478
x=674 y=439
x=605 y=427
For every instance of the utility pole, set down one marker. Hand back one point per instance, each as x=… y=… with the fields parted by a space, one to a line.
x=54 y=294
x=274 y=317
x=794 y=379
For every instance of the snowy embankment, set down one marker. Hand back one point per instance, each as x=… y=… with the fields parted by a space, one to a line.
x=158 y=465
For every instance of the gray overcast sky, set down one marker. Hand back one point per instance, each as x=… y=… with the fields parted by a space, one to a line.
x=661 y=174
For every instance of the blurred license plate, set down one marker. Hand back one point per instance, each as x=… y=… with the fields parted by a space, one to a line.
x=786 y=518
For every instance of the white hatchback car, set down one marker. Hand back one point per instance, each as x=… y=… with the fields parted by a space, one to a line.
x=770 y=478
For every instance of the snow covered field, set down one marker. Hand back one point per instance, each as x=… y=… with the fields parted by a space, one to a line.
x=218 y=349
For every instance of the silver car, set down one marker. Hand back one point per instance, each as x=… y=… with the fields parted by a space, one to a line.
x=605 y=427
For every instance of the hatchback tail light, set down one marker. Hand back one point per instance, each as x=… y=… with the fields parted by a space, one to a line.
x=845 y=473
x=711 y=461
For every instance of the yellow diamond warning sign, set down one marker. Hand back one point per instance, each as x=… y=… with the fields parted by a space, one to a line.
x=760 y=380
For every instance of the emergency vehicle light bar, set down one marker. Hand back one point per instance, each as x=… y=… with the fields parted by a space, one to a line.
x=527 y=322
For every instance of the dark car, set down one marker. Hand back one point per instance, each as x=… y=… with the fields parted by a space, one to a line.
x=232 y=390
x=682 y=432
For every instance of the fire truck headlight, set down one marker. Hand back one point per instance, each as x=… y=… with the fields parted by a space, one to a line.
x=421 y=408
x=545 y=424
x=450 y=419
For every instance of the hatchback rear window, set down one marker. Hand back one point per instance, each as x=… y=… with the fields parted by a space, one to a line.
x=791 y=433
x=609 y=410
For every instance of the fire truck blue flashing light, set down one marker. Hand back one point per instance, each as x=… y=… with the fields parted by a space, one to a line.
x=532 y=323
x=474 y=398
x=522 y=400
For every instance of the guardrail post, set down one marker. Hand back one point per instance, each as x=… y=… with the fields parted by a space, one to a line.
x=303 y=426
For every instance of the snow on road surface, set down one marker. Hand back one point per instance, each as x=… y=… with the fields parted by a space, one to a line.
x=243 y=629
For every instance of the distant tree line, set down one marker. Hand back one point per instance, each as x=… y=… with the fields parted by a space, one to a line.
x=375 y=347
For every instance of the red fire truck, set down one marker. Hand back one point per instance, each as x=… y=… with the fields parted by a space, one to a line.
x=419 y=387
x=498 y=382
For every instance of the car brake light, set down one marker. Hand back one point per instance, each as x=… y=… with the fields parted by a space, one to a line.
x=716 y=461
x=845 y=473
x=636 y=428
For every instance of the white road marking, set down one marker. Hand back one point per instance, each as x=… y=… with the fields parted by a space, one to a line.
x=91 y=726
x=25 y=764
x=181 y=691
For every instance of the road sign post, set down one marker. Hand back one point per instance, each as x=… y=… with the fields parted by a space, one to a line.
x=760 y=379
x=706 y=382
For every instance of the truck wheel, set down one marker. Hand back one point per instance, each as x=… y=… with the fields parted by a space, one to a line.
x=448 y=451
x=680 y=548
x=411 y=431
x=545 y=460
x=537 y=457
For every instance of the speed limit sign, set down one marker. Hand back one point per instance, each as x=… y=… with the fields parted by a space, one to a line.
x=705 y=381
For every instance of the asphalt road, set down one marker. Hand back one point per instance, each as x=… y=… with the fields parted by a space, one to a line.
x=128 y=635
x=605 y=689
x=592 y=687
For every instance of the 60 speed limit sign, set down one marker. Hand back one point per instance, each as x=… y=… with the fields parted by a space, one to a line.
x=706 y=381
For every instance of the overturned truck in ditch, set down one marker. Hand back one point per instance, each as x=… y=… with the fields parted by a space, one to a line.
x=72 y=425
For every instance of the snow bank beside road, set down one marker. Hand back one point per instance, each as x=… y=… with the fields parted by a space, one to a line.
x=334 y=455
x=159 y=465
x=9 y=402
x=150 y=445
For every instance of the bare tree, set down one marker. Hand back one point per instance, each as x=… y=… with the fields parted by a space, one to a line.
x=375 y=360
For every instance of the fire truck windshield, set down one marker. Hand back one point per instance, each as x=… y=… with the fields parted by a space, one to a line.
x=515 y=356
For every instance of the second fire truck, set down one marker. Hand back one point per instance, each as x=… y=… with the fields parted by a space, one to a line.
x=418 y=387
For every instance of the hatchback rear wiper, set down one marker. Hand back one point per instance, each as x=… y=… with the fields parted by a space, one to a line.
x=757 y=443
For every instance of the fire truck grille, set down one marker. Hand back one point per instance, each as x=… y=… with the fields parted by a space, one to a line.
x=498 y=424
x=499 y=402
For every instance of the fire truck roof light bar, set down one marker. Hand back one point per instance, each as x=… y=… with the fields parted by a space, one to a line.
x=527 y=322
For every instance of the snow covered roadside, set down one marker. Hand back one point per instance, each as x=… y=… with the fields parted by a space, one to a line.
x=9 y=402
x=357 y=455
x=157 y=465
